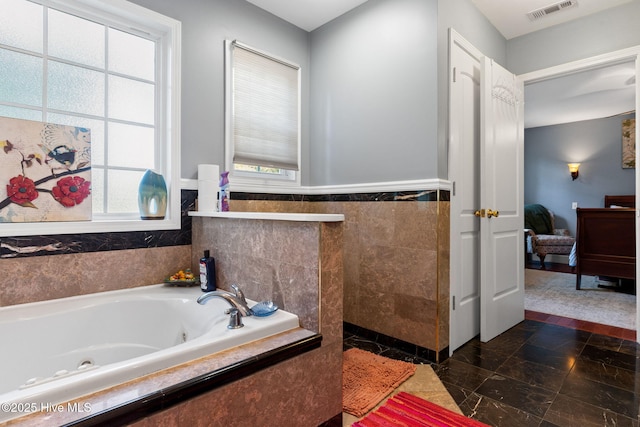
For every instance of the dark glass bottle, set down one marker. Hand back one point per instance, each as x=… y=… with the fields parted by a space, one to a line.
x=207 y=273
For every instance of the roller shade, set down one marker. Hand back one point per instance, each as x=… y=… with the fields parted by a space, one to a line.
x=265 y=106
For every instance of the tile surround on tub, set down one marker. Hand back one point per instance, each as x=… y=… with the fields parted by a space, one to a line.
x=77 y=274
x=386 y=236
x=376 y=224
x=43 y=245
x=153 y=393
x=309 y=265
x=274 y=260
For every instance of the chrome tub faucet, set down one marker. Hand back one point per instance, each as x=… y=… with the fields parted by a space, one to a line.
x=235 y=299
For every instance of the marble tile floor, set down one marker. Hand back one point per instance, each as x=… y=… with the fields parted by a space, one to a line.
x=424 y=383
x=539 y=374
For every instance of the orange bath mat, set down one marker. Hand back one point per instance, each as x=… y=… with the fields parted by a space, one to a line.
x=367 y=378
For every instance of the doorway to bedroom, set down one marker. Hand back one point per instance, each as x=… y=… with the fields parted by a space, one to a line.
x=594 y=139
x=463 y=239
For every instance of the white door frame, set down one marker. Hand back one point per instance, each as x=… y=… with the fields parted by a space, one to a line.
x=611 y=58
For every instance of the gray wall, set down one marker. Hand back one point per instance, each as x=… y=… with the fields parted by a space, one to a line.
x=592 y=35
x=596 y=145
x=374 y=79
x=374 y=83
x=466 y=19
x=205 y=26
x=374 y=94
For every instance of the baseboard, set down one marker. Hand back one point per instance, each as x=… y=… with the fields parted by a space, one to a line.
x=413 y=349
x=559 y=259
x=335 y=421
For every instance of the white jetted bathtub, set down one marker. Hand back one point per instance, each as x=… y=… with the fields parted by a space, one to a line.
x=57 y=350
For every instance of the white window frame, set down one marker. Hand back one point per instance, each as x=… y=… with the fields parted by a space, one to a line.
x=246 y=180
x=167 y=32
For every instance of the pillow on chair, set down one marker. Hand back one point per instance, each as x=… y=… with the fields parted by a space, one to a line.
x=537 y=218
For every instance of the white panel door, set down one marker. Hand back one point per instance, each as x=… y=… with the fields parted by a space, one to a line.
x=464 y=167
x=502 y=200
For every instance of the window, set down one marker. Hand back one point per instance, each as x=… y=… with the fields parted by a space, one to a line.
x=263 y=117
x=112 y=67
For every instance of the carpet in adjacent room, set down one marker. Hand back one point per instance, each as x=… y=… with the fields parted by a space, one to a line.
x=556 y=293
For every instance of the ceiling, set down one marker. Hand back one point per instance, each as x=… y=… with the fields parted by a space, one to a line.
x=307 y=14
x=586 y=95
x=510 y=17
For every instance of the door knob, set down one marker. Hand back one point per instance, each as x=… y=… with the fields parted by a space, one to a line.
x=479 y=213
x=491 y=213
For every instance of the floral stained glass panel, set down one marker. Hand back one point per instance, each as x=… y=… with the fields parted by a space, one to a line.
x=45 y=172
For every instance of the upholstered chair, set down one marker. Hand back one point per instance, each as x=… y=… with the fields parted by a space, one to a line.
x=542 y=236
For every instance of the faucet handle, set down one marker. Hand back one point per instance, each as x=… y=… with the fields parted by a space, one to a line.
x=238 y=293
x=235 y=320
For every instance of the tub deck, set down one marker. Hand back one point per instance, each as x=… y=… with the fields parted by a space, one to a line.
x=141 y=397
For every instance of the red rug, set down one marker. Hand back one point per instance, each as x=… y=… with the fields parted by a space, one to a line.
x=407 y=410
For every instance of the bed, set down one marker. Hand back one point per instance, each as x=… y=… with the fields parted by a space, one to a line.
x=605 y=239
x=626 y=201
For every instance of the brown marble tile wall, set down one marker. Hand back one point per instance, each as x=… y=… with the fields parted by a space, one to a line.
x=300 y=266
x=298 y=392
x=332 y=286
x=444 y=290
x=396 y=264
x=269 y=260
x=295 y=264
x=56 y=276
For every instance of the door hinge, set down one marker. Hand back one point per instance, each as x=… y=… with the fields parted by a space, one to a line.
x=454 y=75
x=453 y=188
x=453 y=299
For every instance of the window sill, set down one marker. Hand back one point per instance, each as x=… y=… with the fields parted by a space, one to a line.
x=96 y=226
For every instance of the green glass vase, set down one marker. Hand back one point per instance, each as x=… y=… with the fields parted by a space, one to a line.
x=152 y=196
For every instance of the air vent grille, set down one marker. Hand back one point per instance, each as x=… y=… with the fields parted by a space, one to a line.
x=552 y=8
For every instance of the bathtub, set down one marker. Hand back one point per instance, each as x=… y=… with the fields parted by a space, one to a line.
x=54 y=351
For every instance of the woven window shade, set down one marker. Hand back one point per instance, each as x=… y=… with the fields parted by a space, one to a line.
x=265 y=110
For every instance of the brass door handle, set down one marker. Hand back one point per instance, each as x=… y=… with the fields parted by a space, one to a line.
x=491 y=213
x=479 y=213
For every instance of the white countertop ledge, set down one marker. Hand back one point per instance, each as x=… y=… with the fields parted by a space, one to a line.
x=274 y=216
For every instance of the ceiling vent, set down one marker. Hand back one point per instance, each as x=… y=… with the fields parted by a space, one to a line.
x=552 y=8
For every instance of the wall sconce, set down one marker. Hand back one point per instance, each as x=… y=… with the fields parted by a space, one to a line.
x=573 y=168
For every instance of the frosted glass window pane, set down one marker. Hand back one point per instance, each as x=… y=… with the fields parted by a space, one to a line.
x=75 y=89
x=20 y=113
x=20 y=78
x=21 y=24
x=76 y=39
x=132 y=55
x=97 y=190
x=97 y=133
x=131 y=146
x=123 y=191
x=131 y=100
